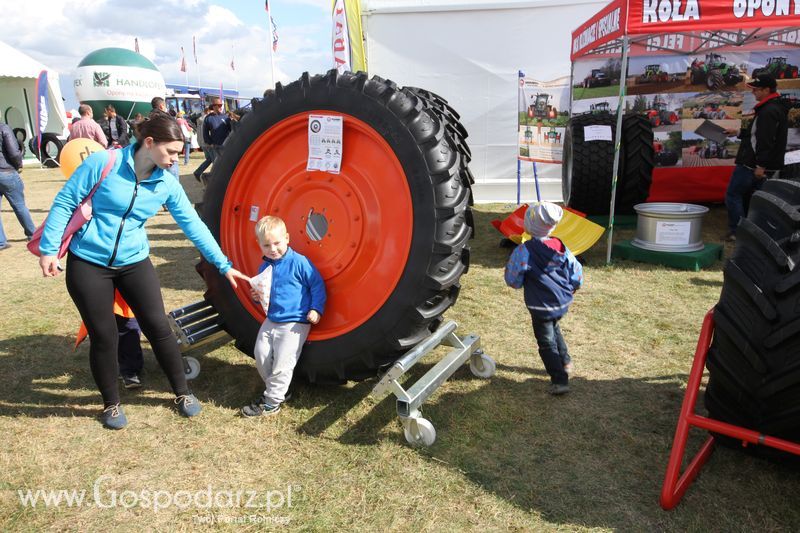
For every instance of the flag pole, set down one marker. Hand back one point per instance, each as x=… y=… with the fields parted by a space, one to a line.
x=235 y=74
x=196 y=63
x=271 y=43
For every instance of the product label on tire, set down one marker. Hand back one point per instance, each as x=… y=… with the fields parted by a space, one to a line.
x=597 y=133
x=673 y=232
x=791 y=157
x=325 y=143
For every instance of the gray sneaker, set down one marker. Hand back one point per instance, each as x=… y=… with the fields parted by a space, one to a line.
x=260 y=408
x=557 y=389
x=131 y=382
x=113 y=417
x=188 y=405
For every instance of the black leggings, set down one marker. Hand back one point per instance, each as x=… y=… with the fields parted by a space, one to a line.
x=92 y=287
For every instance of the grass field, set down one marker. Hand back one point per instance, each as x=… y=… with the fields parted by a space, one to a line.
x=508 y=455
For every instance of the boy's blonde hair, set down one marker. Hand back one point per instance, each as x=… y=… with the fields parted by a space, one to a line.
x=268 y=224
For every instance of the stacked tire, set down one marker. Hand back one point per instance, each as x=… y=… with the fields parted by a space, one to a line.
x=754 y=359
x=50 y=154
x=397 y=216
x=588 y=166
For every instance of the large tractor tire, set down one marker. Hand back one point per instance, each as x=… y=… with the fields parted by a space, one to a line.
x=637 y=163
x=389 y=233
x=754 y=359
x=458 y=133
x=714 y=80
x=588 y=167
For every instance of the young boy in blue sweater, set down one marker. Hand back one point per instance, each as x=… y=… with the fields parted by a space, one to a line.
x=549 y=274
x=295 y=295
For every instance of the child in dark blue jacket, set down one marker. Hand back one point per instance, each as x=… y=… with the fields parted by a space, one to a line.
x=549 y=274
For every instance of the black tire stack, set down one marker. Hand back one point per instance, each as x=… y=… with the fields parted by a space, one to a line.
x=754 y=359
x=791 y=172
x=426 y=136
x=588 y=167
x=51 y=149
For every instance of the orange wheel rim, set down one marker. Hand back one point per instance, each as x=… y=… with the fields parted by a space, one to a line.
x=354 y=226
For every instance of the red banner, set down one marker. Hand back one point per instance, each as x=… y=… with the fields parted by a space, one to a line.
x=605 y=26
x=660 y=16
x=653 y=17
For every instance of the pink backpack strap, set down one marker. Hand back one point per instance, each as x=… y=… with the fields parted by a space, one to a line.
x=112 y=157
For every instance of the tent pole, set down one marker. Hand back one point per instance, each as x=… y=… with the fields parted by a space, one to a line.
x=617 y=143
x=30 y=121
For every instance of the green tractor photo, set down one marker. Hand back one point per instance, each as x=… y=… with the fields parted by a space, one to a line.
x=600 y=107
x=653 y=74
x=714 y=72
x=779 y=68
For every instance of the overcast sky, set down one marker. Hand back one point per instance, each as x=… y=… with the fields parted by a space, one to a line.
x=59 y=33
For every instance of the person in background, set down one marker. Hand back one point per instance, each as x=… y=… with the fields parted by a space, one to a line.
x=114 y=127
x=187 y=131
x=762 y=149
x=160 y=106
x=11 y=185
x=207 y=152
x=112 y=252
x=216 y=127
x=87 y=128
x=550 y=275
x=129 y=352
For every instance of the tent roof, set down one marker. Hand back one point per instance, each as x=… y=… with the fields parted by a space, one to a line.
x=707 y=20
x=15 y=64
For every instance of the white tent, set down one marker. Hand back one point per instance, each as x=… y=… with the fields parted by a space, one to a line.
x=18 y=74
x=470 y=52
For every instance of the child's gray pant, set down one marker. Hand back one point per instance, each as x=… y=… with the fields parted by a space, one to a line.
x=277 y=350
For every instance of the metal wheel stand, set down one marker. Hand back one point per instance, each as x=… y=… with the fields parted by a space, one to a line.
x=418 y=430
x=194 y=325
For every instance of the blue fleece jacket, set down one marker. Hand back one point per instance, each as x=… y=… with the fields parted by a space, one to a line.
x=115 y=236
x=549 y=274
x=297 y=288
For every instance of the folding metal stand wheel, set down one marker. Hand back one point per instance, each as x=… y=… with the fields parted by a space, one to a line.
x=419 y=431
x=675 y=483
x=191 y=367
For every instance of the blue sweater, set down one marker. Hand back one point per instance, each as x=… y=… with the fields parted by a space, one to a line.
x=549 y=275
x=297 y=288
x=115 y=236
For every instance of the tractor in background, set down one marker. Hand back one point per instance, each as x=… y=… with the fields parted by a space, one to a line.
x=541 y=108
x=659 y=115
x=653 y=74
x=714 y=72
x=779 y=68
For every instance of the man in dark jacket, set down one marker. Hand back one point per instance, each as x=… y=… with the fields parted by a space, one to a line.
x=11 y=184
x=114 y=127
x=216 y=127
x=762 y=149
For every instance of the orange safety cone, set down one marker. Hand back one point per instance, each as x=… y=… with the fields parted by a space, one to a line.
x=121 y=308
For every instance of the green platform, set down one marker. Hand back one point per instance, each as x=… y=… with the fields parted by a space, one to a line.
x=710 y=254
x=620 y=221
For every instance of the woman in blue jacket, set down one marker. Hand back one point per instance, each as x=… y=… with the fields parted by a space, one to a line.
x=112 y=251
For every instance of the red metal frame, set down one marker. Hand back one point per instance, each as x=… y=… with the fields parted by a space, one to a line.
x=675 y=483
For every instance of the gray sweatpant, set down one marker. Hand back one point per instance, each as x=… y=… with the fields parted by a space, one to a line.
x=278 y=347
